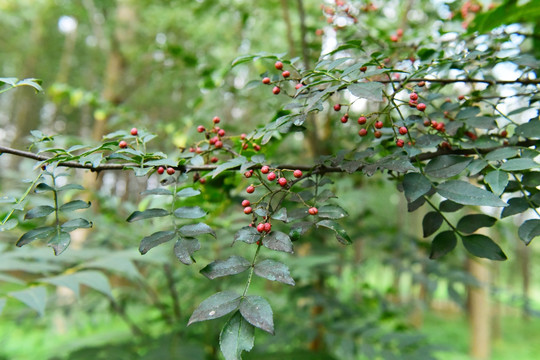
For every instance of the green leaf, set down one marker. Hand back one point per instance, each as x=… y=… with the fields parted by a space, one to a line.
x=449 y=206
x=8 y=225
x=519 y=164
x=91 y=278
x=39 y=211
x=467 y=112
x=367 y=90
x=281 y=215
x=476 y=166
x=235 y=162
x=147 y=214
x=189 y=212
x=74 y=224
x=248 y=235
x=432 y=222
x=529 y=230
x=157 y=191
x=341 y=234
x=529 y=130
x=232 y=266
x=42 y=187
x=274 y=271
x=70 y=187
x=467 y=194
x=470 y=223
x=59 y=242
x=187 y=192
x=196 y=229
x=482 y=246
x=184 y=248
x=515 y=206
x=34 y=297
x=446 y=166
x=236 y=336
x=415 y=185
x=497 y=181
x=332 y=212
x=278 y=241
x=257 y=311
x=216 y=306
x=75 y=205
x=154 y=240
x=502 y=154
x=442 y=244
x=298 y=229
x=35 y=83
x=531 y=179
x=38 y=233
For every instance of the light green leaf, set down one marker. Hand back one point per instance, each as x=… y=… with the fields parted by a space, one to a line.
x=236 y=336
x=467 y=194
x=39 y=211
x=367 y=90
x=497 y=181
x=75 y=205
x=34 y=297
x=196 y=229
x=59 y=242
x=189 y=212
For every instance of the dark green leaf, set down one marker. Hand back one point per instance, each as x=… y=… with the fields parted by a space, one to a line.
x=236 y=336
x=232 y=266
x=432 y=222
x=299 y=229
x=196 y=229
x=38 y=233
x=468 y=112
x=280 y=215
x=497 y=181
x=248 y=235
x=442 y=244
x=502 y=154
x=185 y=248
x=189 y=212
x=42 y=187
x=367 y=90
x=449 y=206
x=529 y=230
x=39 y=211
x=59 y=242
x=519 y=164
x=332 y=212
x=157 y=238
x=147 y=214
x=341 y=234
x=416 y=204
x=531 y=179
x=74 y=224
x=216 y=306
x=529 y=130
x=415 y=185
x=446 y=166
x=187 y=192
x=476 y=166
x=278 y=241
x=257 y=311
x=274 y=271
x=482 y=246
x=75 y=205
x=467 y=194
x=70 y=187
x=515 y=206
x=34 y=297
x=470 y=223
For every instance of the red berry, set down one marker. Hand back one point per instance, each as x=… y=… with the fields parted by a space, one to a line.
x=427 y=122
x=170 y=171
x=242 y=136
x=440 y=127
x=221 y=132
x=394 y=38
x=297 y=173
x=282 y=181
x=362 y=120
x=256 y=147
x=219 y=144
x=413 y=103
x=160 y=170
x=247 y=174
x=504 y=133
x=191 y=149
x=313 y=211
x=421 y=107
x=200 y=128
x=286 y=74
x=363 y=68
x=362 y=132
x=260 y=227
x=258 y=241
x=278 y=65
x=265 y=169
x=421 y=83
x=298 y=86
x=202 y=181
x=122 y=144
x=245 y=146
x=403 y=130
x=134 y=131
x=267 y=227
x=413 y=96
x=400 y=142
x=399 y=32
x=266 y=80
x=250 y=189
x=276 y=90
x=271 y=176
x=245 y=203
x=198 y=150
x=377 y=134
x=434 y=124
x=337 y=107
x=471 y=135
x=379 y=125
x=214 y=159
x=247 y=210
x=344 y=119
x=461 y=97
x=216 y=119
x=213 y=140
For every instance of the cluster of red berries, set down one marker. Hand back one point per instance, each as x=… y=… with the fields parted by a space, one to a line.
x=169 y=170
x=413 y=102
x=285 y=73
x=397 y=36
x=123 y=144
x=439 y=126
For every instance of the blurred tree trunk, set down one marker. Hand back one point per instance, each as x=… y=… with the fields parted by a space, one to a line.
x=479 y=310
x=524 y=259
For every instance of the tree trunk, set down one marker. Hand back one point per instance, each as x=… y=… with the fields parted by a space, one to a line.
x=479 y=310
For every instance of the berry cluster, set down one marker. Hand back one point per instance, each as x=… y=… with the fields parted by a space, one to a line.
x=286 y=74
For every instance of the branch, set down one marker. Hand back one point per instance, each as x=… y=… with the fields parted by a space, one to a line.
x=466 y=80
x=316 y=169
